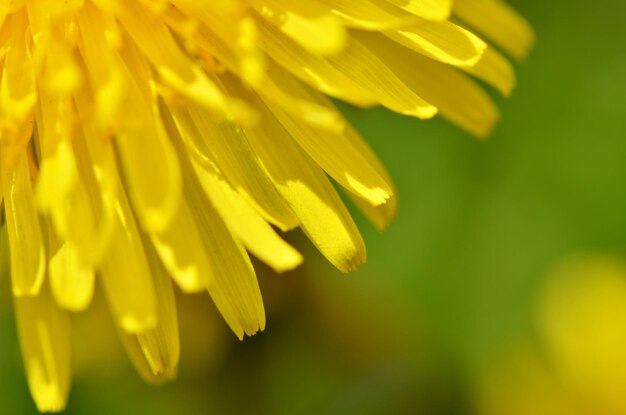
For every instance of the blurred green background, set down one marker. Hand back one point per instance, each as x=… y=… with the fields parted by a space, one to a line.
x=449 y=296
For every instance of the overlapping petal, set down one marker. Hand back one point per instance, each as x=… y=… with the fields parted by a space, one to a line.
x=147 y=138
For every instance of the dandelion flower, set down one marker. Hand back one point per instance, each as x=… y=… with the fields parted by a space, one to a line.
x=150 y=142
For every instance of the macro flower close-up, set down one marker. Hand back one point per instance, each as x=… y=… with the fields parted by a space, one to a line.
x=154 y=146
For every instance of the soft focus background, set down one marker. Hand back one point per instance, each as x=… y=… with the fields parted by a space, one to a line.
x=498 y=290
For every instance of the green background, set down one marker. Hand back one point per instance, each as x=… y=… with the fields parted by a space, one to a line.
x=446 y=287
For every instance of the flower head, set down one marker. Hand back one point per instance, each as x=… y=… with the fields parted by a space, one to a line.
x=147 y=139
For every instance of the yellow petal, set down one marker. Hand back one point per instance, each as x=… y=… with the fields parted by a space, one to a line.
x=240 y=217
x=181 y=249
x=60 y=74
x=56 y=181
x=232 y=285
x=499 y=22
x=57 y=177
x=442 y=41
x=268 y=82
x=459 y=99
x=18 y=91
x=356 y=75
x=71 y=280
x=496 y=70
x=323 y=216
x=382 y=215
x=231 y=152
x=173 y=65
x=44 y=333
x=27 y=251
x=335 y=154
x=256 y=234
x=371 y=73
x=125 y=275
x=93 y=211
x=310 y=68
x=225 y=34
x=149 y=163
x=155 y=352
x=98 y=46
x=277 y=89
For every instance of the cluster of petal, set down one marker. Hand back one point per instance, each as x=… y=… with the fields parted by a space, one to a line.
x=150 y=142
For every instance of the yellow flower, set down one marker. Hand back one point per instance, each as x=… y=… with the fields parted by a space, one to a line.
x=143 y=139
x=573 y=365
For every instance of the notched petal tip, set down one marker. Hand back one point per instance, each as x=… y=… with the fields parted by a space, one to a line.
x=352 y=263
